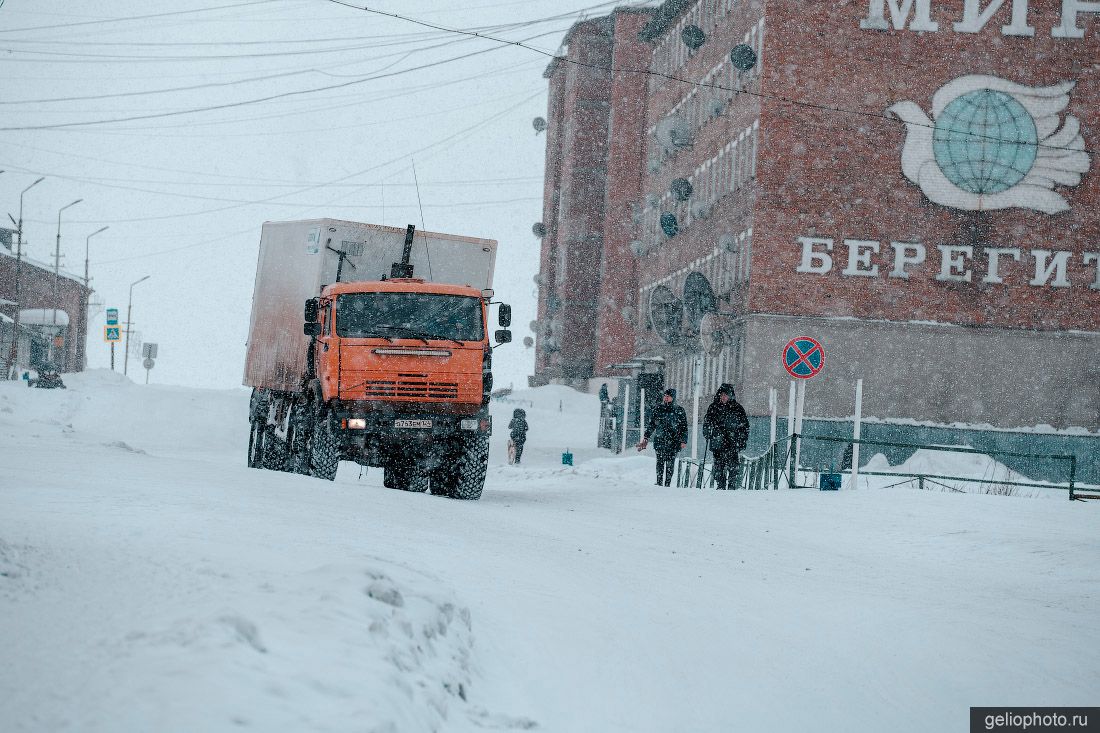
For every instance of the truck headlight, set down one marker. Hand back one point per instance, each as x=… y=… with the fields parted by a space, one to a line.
x=469 y=424
x=357 y=423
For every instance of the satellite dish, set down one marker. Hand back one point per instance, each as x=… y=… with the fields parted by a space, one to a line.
x=669 y=225
x=539 y=124
x=528 y=341
x=715 y=332
x=700 y=209
x=666 y=314
x=681 y=189
x=673 y=132
x=654 y=165
x=539 y=229
x=698 y=300
x=743 y=57
x=652 y=200
x=638 y=247
x=727 y=243
x=534 y=326
x=693 y=37
x=539 y=279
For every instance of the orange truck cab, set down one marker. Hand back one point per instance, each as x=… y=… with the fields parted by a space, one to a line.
x=395 y=372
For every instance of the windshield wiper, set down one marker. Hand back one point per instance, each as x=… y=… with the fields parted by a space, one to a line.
x=411 y=332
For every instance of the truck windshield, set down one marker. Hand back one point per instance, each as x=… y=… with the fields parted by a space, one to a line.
x=409 y=315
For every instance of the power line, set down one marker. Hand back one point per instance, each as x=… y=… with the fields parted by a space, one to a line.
x=136 y=17
x=247 y=102
x=649 y=72
x=275 y=200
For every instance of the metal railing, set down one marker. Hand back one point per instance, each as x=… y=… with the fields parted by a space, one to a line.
x=774 y=468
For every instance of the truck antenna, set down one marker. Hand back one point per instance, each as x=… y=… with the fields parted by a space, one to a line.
x=422 y=224
x=404 y=268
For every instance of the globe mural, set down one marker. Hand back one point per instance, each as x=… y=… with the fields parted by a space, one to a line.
x=985 y=142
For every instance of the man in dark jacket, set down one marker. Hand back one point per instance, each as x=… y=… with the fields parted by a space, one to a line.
x=669 y=427
x=726 y=429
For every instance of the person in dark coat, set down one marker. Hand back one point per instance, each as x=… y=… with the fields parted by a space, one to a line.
x=518 y=428
x=669 y=428
x=726 y=429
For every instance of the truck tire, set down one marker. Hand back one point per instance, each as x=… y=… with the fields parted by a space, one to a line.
x=275 y=453
x=416 y=482
x=472 y=465
x=299 y=442
x=404 y=478
x=324 y=453
x=256 y=445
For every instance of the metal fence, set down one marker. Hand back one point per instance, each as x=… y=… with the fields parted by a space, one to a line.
x=775 y=468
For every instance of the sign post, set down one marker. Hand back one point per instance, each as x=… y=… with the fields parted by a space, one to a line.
x=149 y=354
x=112 y=333
x=803 y=358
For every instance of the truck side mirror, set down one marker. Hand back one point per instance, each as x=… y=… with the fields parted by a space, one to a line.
x=504 y=315
x=312 y=310
x=503 y=336
x=311 y=328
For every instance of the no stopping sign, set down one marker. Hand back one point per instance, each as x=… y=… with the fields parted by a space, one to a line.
x=803 y=357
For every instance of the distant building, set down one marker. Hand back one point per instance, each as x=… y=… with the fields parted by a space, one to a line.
x=596 y=123
x=52 y=314
x=916 y=185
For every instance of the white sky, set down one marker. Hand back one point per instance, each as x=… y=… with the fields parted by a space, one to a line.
x=185 y=195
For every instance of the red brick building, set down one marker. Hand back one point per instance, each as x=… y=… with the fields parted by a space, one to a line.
x=596 y=124
x=53 y=315
x=915 y=183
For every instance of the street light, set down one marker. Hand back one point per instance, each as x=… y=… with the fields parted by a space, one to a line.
x=87 y=240
x=129 y=327
x=82 y=344
x=18 y=273
x=57 y=262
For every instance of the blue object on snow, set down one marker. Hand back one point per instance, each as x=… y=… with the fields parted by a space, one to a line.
x=567 y=458
x=829 y=482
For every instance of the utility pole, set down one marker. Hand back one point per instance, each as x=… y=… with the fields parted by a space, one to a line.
x=57 y=281
x=82 y=343
x=129 y=325
x=14 y=354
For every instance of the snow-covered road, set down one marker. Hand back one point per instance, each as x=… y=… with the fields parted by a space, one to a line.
x=150 y=581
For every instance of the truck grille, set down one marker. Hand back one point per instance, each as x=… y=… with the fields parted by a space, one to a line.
x=411 y=389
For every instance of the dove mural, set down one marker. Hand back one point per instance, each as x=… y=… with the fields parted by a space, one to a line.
x=994 y=144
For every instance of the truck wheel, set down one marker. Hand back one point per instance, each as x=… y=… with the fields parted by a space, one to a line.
x=256 y=445
x=405 y=478
x=324 y=453
x=416 y=482
x=299 y=442
x=275 y=453
x=473 y=463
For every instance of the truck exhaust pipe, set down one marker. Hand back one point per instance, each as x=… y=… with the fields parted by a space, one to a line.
x=404 y=268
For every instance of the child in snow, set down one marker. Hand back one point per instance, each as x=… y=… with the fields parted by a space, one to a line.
x=518 y=428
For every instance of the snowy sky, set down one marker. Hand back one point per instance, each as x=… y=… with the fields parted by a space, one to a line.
x=184 y=192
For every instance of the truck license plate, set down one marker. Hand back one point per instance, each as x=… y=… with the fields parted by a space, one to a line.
x=412 y=423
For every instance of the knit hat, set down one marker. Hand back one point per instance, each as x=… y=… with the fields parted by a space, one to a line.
x=671 y=393
x=726 y=388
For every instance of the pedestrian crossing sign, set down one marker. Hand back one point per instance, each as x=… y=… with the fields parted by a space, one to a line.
x=112 y=334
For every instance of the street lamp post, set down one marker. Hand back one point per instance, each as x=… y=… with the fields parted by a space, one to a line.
x=129 y=324
x=82 y=343
x=57 y=276
x=14 y=354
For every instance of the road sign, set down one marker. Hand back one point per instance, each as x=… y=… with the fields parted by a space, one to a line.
x=149 y=351
x=112 y=317
x=803 y=357
x=148 y=363
x=111 y=334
